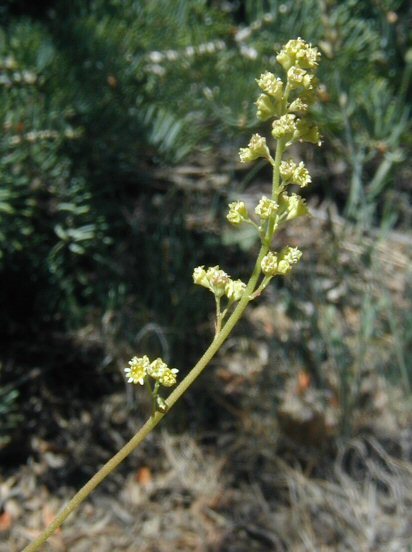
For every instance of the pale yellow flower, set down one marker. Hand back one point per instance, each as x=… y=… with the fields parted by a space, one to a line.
x=299 y=77
x=266 y=107
x=293 y=173
x=300 y=53
x=168 y=378
x=266 y=208
x=137 y=370
x=257 y=148
x=269 y=264
x=271 y=85
x=237 y=213
x=235 y=289
x=160 y=371
x=293 y=205
x=284 y=127
x=213 y=279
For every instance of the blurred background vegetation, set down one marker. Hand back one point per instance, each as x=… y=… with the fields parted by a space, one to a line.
x=121 y=121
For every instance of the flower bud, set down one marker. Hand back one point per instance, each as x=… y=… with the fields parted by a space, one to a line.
x=237 y=213
x=284 y=267
x=168 y=378
x=266 y=208
x=266 y=108
x=290 y=254
x=292 y=173
x=218 y=280
x=235 y=289
x=257 y=148
x=293 y=205
x=300 y=53
x=298 y=77
x=213 y=279
x=286 y=169
x=284 y=127
x=269 y=264
x=157 y=368
x=298 y=106
x=307 y=132
x=271 y=85
x=161 y=372
x=199 y=277
x=161 y=404
x=288 y=257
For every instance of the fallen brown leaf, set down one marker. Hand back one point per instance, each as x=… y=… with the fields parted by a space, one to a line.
x=5 y=521
x=144 y=476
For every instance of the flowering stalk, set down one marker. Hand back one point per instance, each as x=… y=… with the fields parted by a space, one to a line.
x=287 y=103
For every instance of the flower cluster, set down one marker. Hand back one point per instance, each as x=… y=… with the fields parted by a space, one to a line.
x=218 y=282
x=237 y=213
x=280 y=263
x=271 y=85
x=299 y=78
x=287 y=103
x=292 y=206
x=297 y=53
x=266 y=208
x=293 y=173
x=257 y=148
x=140 y=368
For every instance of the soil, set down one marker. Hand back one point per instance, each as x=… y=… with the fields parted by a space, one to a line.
x=268 y=452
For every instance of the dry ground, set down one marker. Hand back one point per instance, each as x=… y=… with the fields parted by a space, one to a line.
x=304 y=442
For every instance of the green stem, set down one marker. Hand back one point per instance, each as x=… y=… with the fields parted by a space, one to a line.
x=154 y=420
x=262 y=286
x=280 y=148
x=221 y=335
x=155 y=392
x=218 y=324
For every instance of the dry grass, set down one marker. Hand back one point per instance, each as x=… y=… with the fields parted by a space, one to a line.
x=277 y=469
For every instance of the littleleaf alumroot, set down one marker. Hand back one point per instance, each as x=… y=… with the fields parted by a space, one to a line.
x=142 y=371
x=286 y=102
